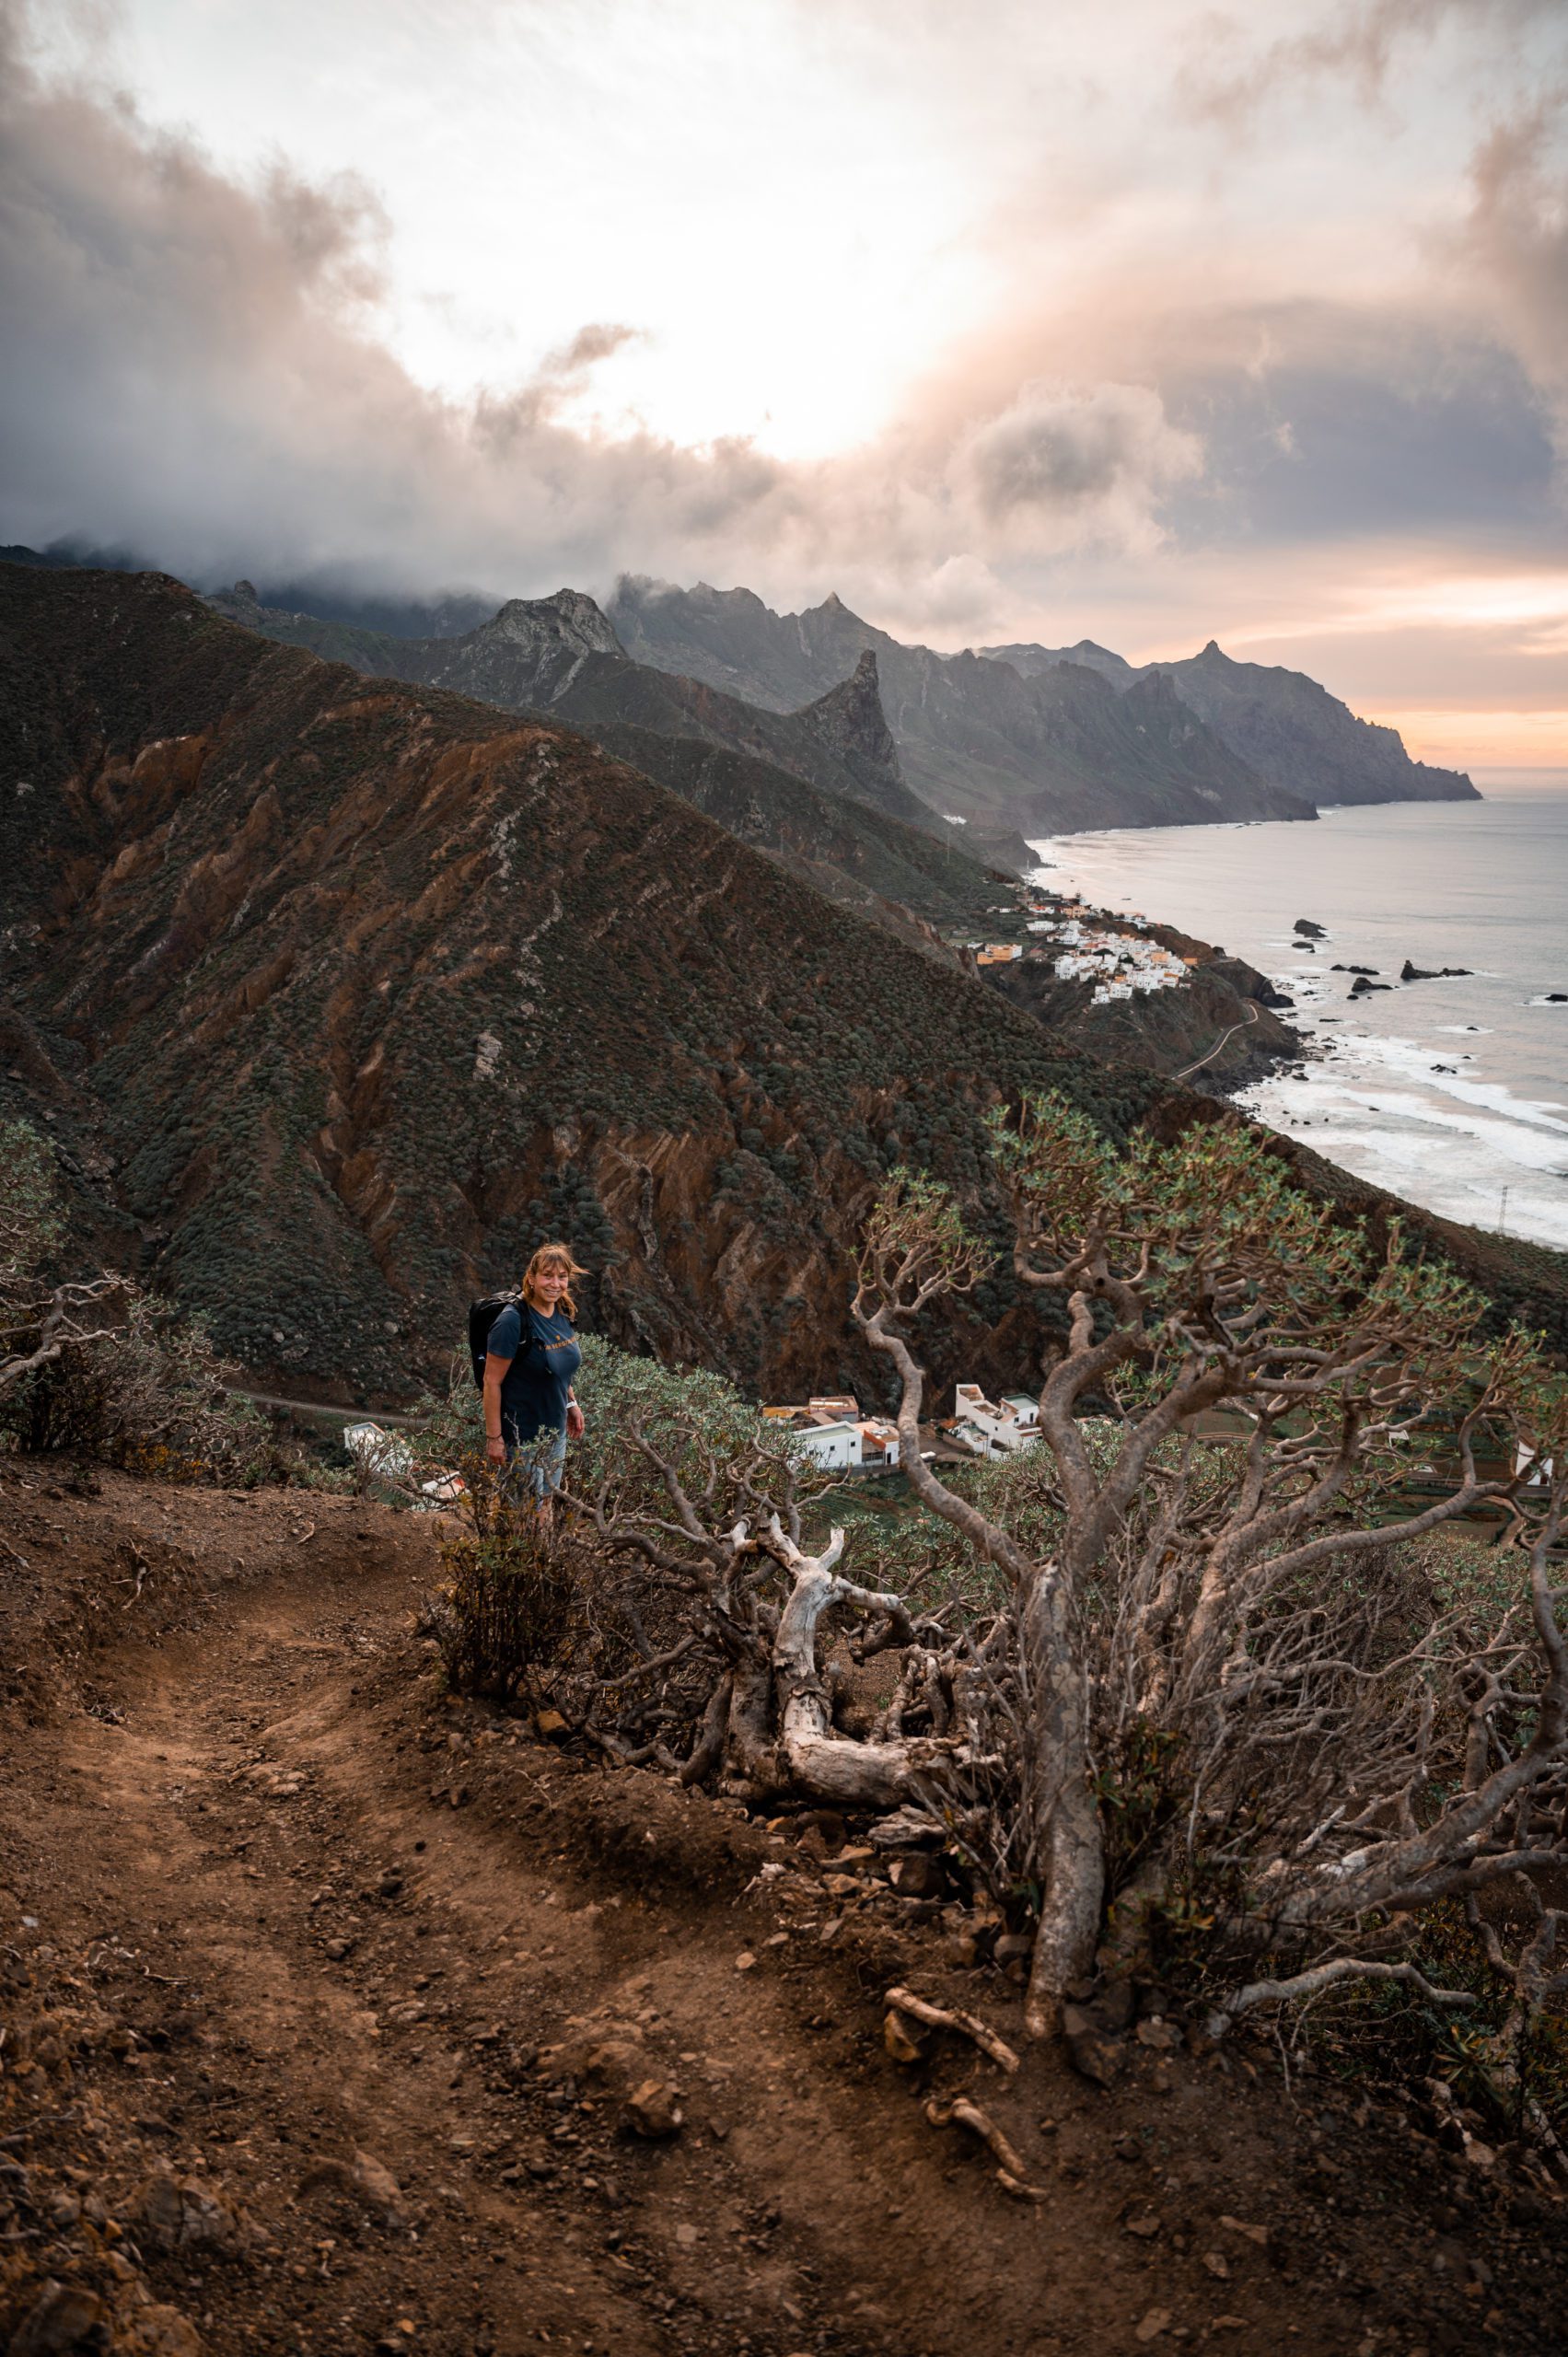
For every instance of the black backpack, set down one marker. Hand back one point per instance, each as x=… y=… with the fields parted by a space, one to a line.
x=482 y=1314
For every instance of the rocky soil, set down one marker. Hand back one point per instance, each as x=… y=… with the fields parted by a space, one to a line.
x=338 y=2015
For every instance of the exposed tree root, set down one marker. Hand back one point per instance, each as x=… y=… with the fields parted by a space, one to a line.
x=1012 y=2173
x=904 y=2000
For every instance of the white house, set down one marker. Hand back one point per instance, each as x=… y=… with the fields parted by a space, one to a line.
x=379 y=1453
x=995 y=1428
x=828 y=1430
x=837 y=1447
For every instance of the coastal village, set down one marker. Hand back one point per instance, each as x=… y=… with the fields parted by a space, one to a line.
x=1117 y=955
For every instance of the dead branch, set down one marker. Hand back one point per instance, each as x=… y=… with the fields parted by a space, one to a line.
x=1220 y=1597
x=1313 y=1982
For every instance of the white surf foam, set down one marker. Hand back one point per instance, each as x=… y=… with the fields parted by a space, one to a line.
x=1478 y=1133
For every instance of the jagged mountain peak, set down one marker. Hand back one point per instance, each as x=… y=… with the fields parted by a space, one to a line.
x=1013 y=738
x=569 y=617
x=852 y=720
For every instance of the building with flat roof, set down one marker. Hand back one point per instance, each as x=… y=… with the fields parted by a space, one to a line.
x=995 y=1427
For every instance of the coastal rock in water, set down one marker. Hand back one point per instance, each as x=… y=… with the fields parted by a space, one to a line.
x=1362 y=987
x=1412 y=973
x=1337 y=969
x=1310 y=932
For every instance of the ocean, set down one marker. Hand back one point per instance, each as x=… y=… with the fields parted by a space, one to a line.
x=1451 y=1092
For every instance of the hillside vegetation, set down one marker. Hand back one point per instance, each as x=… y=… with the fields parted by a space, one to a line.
x=335 y=994
x=339 y=993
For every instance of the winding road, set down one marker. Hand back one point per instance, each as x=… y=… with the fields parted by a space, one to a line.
x=1188 y=1070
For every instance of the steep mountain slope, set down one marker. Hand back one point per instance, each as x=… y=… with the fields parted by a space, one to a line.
x=735 y=642
x=560 y=654
x=1292 y=731
x=1286 y=735
x=975 y=736
x=896 y=873
x=346 y=990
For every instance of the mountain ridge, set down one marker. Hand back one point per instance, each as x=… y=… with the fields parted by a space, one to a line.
x=561 y=654
x=343 y=991
x=1012 y=739
x=1287 y=725
x=976 y=739
x=1288 y=730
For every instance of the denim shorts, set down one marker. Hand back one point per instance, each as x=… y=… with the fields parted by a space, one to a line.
x=538 y=1460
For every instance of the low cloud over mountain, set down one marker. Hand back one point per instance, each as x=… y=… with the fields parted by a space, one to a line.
x=1221 y=366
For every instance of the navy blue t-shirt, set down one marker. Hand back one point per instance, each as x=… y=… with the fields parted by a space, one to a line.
x=545 y=1357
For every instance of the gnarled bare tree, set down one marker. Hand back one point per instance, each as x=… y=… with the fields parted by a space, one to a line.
x=1238 y=1412
x=696 y=1632
x=39 y=1320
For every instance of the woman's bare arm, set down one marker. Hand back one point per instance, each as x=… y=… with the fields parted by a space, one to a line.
x=495 y=1376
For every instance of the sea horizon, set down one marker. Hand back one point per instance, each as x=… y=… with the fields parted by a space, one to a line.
x=1451 y=1092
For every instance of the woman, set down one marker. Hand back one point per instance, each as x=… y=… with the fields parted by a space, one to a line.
x=530 y=1359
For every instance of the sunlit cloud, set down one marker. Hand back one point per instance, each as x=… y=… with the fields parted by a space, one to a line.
x=1537 y=605
x=1142 y=320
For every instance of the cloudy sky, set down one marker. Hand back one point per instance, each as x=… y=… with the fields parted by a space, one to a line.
x=1005 y=319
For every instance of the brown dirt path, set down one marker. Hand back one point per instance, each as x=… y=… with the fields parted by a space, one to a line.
x=244 y=1857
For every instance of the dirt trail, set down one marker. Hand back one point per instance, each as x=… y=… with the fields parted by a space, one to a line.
x=343 y=1917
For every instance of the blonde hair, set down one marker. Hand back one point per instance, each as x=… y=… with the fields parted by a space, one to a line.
x=554 y=1256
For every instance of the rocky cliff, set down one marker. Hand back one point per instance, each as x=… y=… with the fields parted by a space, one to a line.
x=1287 y=728
x=343 y=992
x=1295 y=733
x=975 y=737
